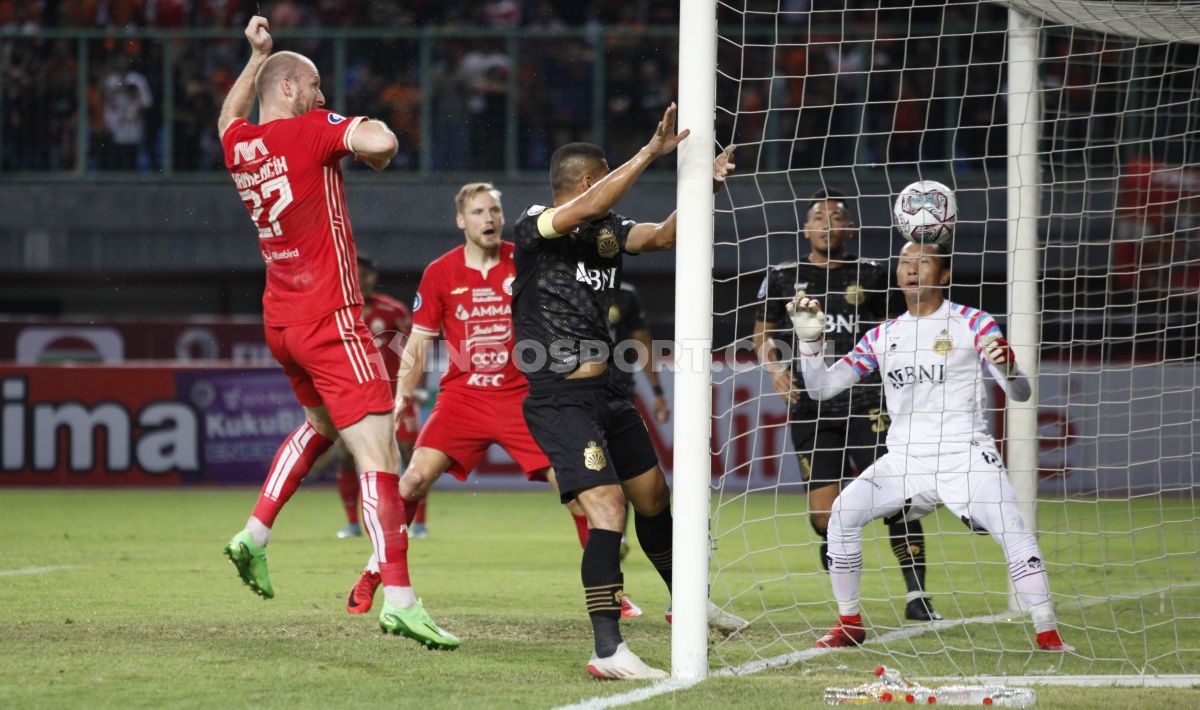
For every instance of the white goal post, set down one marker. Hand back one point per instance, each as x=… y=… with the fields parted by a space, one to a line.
x=1055 y=160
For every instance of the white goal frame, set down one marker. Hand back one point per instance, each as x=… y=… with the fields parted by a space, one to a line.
x=694 y=327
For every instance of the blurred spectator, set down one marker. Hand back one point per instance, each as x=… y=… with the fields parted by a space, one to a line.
x=1156 y=253
x=483 y=72
x=126 y=95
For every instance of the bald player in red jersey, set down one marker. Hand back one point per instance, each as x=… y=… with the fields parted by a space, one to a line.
x=287 y=170
x=466 y=295
x=390 y=322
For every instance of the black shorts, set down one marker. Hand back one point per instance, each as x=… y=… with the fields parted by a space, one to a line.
x=836 y=449
x=591 y=433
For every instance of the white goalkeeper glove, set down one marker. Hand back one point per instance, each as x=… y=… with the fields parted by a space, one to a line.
x=998 y=352
x=808 y=322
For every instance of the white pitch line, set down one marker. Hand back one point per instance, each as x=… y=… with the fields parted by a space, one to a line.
x=34 y=570
x=672 y=685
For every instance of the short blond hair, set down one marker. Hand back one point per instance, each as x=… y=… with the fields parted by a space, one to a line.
x=471 y=189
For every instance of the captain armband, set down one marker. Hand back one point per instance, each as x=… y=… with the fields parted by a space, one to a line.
x=545 y=224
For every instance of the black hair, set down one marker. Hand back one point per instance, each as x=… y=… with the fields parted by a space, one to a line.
x=366 y=261
x=826 y=194
x=945 y=252
x=571 y=162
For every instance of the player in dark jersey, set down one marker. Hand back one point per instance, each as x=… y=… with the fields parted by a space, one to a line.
x=626 y=324
x=840 y=437
x=568 y=261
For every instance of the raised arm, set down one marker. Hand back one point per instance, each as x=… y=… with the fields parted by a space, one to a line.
x=608 y=191
x=1002 y=365
x=651 y=236
x=821 y=382
x=240 y=99
x=374 y=143
x=412 y=369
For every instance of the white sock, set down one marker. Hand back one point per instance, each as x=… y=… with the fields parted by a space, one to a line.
x=1043 y=617
x=259 y=533
x=399 y=597
x=845 y=567
x=373 y=564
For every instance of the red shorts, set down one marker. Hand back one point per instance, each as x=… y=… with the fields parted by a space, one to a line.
x=464 y=424
x=409 y=425
x=332 y=362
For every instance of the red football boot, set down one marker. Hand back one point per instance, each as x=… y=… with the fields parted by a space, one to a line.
x=362 y=594
x=847 y=632
x=1051 y=641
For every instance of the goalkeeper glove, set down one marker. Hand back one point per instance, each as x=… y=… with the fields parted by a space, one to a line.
x=808 y=322
x=998 y=352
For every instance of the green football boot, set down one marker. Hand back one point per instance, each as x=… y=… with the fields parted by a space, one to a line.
x=414 y=622
x=251 y=563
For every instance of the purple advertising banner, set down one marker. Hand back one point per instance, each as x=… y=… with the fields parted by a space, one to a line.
x=244 y=416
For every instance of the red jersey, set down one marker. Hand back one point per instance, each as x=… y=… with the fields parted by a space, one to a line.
x=390 y=322
x=289 y=175
x=473 y=311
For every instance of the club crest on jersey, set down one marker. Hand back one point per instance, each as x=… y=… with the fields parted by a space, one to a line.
x=614 y=315
x=606 y=244
x=507 y=285
x=943 y=343
x=855 y=295
x=335 y=118
x=461 y=313
x=593 y=457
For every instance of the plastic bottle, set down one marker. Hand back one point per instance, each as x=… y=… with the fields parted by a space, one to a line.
x=992 y=696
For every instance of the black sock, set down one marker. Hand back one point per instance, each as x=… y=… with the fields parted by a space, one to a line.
x=824 y=551
x=603 y=587
x=655 y=535
x=908 y=542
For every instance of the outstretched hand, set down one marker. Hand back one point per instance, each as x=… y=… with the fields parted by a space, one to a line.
x=258 y=36
x=808 y=320
x=723 y=167
x=665 y=139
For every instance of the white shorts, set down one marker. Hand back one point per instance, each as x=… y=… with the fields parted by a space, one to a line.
x=971 y=482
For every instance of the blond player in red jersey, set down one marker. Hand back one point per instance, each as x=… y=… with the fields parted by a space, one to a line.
x=390 y=322
x=466 y=295
x=287 y=171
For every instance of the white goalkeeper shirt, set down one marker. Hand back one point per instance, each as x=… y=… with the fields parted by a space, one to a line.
x=932 y=371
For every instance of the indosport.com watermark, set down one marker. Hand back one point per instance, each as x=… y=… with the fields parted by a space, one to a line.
x=484 y=358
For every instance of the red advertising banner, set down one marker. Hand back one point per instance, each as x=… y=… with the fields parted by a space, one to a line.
x=89 y=426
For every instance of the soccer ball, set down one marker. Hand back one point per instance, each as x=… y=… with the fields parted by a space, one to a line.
x=925 y=212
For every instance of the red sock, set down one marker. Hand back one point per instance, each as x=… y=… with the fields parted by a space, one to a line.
x=581 y=527
x=347 y=483
x=383 y=517
x=411 y=506
x=420 y=517
x=297 y=454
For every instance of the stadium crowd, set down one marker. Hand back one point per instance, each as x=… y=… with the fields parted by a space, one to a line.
x=834 y=99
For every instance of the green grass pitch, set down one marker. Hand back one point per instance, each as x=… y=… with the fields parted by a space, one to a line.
x=140 y=609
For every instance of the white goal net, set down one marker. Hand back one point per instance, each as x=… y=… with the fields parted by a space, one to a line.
x=864 y=98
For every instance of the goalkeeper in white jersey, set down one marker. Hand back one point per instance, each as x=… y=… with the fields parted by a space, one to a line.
x=939 y=450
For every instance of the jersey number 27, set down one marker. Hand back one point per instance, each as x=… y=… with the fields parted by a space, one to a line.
x=256 y=196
